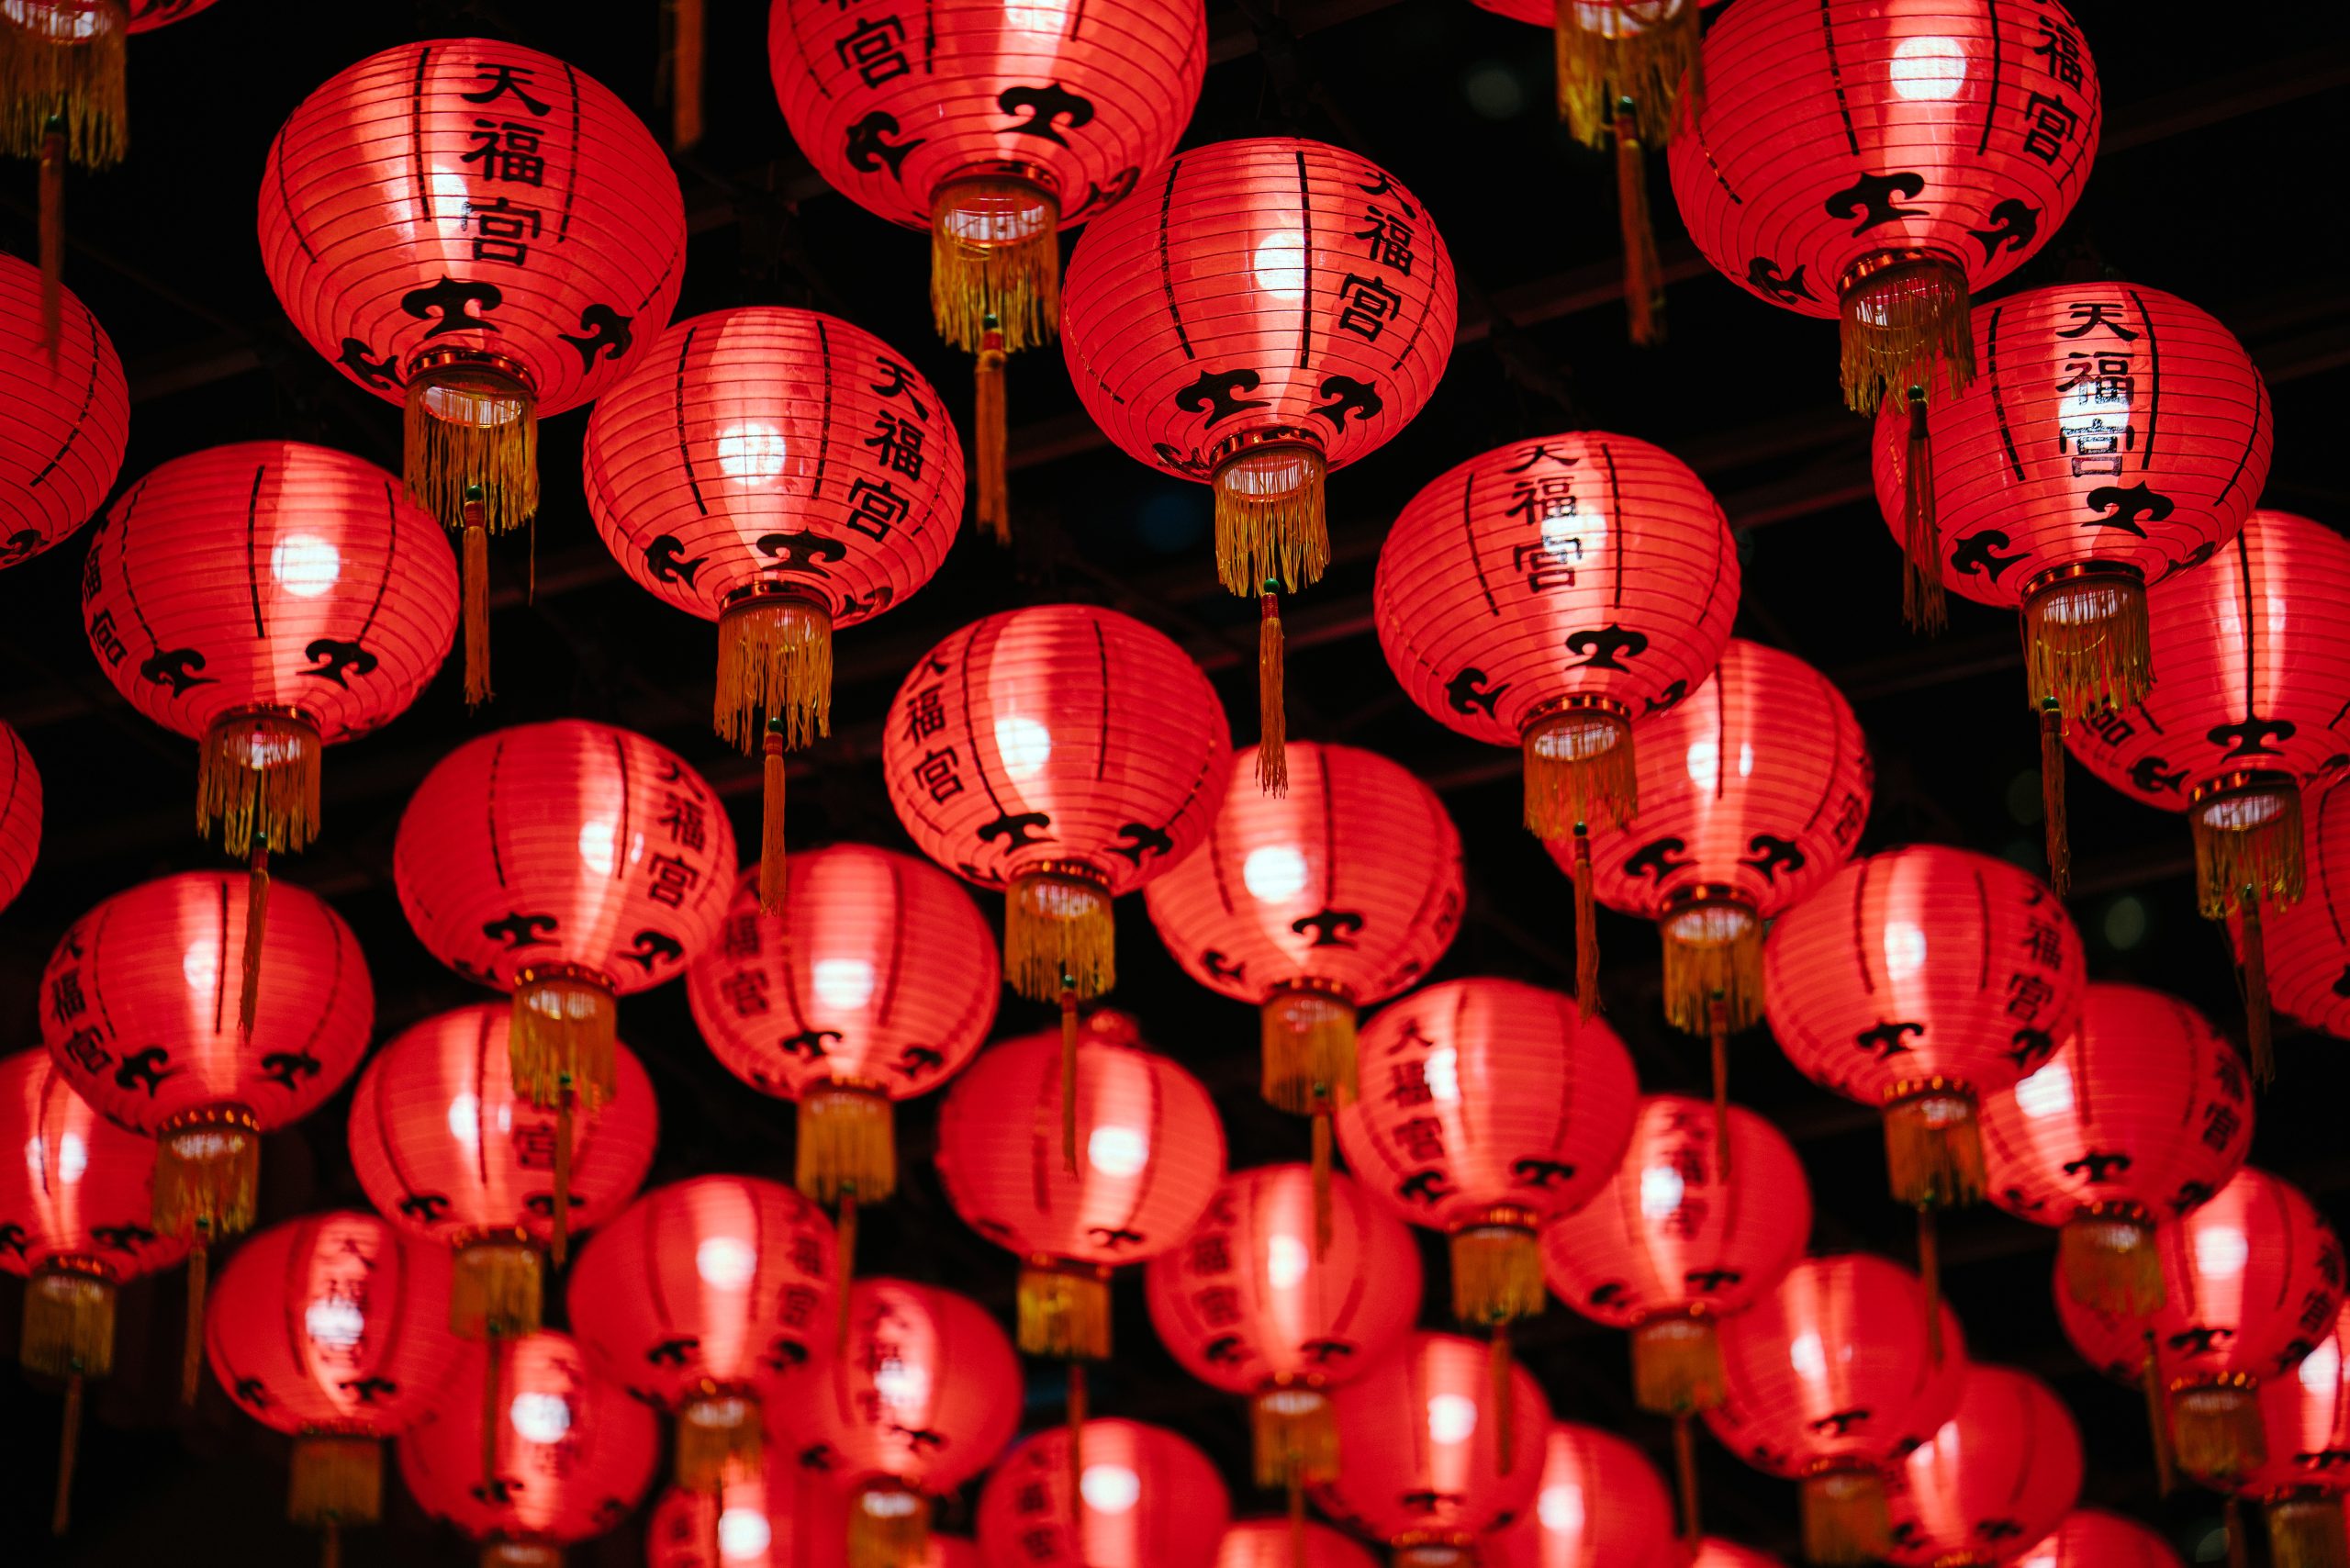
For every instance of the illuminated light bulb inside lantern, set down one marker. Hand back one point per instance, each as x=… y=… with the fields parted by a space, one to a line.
x=542 y=1418
x=901 y=1385
x=1117 y=1151
x=1443 y=1074
x=334 y=1322
x=599 y=845
x=2220 y=1251
x=1452 y=1418
x=72 y=1159
x=1661 y=1191
x=200 y=966
x=1928 y=70
x=1274 y=872
x=305 y=565
x=2320 y=1371
x=751 y=450
x=1284 y=1261
x=844 y=983
x=744 y=1534
x=1562 y=1508
x=725 y=1263
x=1804 y=1354
x=2048 y=1093
x=1706 y=763
x=1905 y=948
x=1045 y=18
x=1110 y=1488
x=1024 y=744
x=1279 y=265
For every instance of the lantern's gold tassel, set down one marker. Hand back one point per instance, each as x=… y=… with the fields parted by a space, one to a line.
x=888 y=1526
x=1064 y=1310
x=208 y=1171
x=2109 y=1261
x=1497 y=1368
x=1069 y=1076
x=1587 y=927
x=1269 y=526
x=1296 y=1513
x=1712 y=953
x=718 y=1440
x=2158 y=1419
x=2248 y=851
x=1844 y=1518
x=1610 y=52
x=1296 y=1435
x=1578 y=770
x=992 y=498
x=2057 y=837
x=1059 y=934
x=474 y=576
x=1677 y=1365
x=995 y=263
x=1685 y=1469
x=2085 y=642
x=257 y=780
x=1718 y=1036
x=336 y=1477
x=1496 y=1269
x=1643 y=275
x=256 y=933
x=1321 y=1181
x=53 y=237
x=775 y=777
x=1930 y=1273
x=559 y=1221
x=2217 y=1433
x=561 y=1037
x=1307 y=1040
x=1903 y=318
x=775 y=691
x=472 y=431
x=57 y=78
x=845 y=1143
x=1933 y=1147
x=2305 y=1530
x=497 y=1288
x=1272 y=719
x=69 y=1333
x=1922 y=602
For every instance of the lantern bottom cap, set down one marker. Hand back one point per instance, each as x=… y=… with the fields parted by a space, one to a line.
x=2087 y=641
x=1904 y=316
x=2248 y=846
x=1059 y=934
x=471 y=425
x=1270 y=526
x=1578 y=770
x=845 y=1143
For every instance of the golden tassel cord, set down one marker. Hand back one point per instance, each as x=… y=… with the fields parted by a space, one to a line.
x=337 y=1477
x=1933 y=1147
x=844 y=1255
x=207 y=1171
x=1677 y=1365
x=1923 y=604
x=2109 y=1261
x=474 y=579
x=717 y=1439
x=69 y=1319
x=2216 y=1431
x=1058 y=935
x=2158 y=1419
x=888 y=1526
x=1321 y=1168
x=774 y=779
x=1610 y=51
x=1068 y=1078
x=199 y=1255
x=1844 y=1518
x=1296 y=1436
x=257 y=780
x=1902 y=320
x=1296 y=1516
x=991 y=490
x=1273 y=717
x=1307 y=1040
x=52 y=238
x=1718 y=1039
x=2253 y=974
x=1579 y=771
x=1269 y=526
x=1685 y=1470
x=69 y=1444
x=2248 y=852
x=1496 y=1271
x=1504 y=1403
x=1930 y=1274
x=1644 y=274
x=57 y=78
x=1064 y=1310
x=2086 y=644
x=330 y=1545
x=2055 y=834
x=2231 y=1520
x=1075 y=1415
x=995 y=263
x=1587 y=927
x=1712 y=953
x=492 y=1367
x=2305 y=1530
x=686 y=45
x=561 y=1037
x=256 y=936
x=845 y=1143
x=559 y=1221
x=471 y=433
x=497 y=1288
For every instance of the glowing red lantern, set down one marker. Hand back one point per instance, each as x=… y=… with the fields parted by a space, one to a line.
x=2144 y=1113
x=1312 y=905
x=706 y=1297
x=1597 y=588
x=923 y=1394
x=2252 y=1281
x=1673 y=1246
x=19 y=816
x=1754 y=790
x=1830 y=1378
x=1067 y=755
x=2306 y=946
x=878 y=983
x=1256 y=288
x=333 y=1329
x=568 y=863
x=706 y=473
x=1277 y=1543
x=69 y=412
x=1502 y=1109
x=1254 y=1303
x=2090 y=1538
x=2053 y=491
x=1145 y=1499
x=481 y=233
x=2004 y=1468
x=1601 y=1504
x=1882 y=166
x=2305 y=1426
x=791 y=1519
x=567 y=1456
x=1432 y=1433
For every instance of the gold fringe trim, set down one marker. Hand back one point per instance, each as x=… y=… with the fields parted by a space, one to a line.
x=1934 y=1148
x=2216 y=1431
x=991 y=490
x=2305 y=1530
x=1578 y=770
x=1496 y=1271
x=775 y=781
x=2248 y=846
x=1308 y=1042
x=473 y=427
x=846 y=1142
x=256 y=940
x=473 y=577
x=496 y=1289
x=1269 y=526
x=52 y=75
x=2055 y=832
x=1713 y=950
x=561 y=1037
x=337 y=1477
x=2110 y=1260
x=718 y=1440
x=257 y=778
x=2086 y=644
x=1607 y=57
x=1587 y=927
x=1644 y=274
x=1296 y=1436
x=1321 y=1178
x=1901 y=321
x=1844 y=1518
x=1272 y=716
x=1058 y=935
x=207 y=1171
x=888 y=1526
x=1677 y=1365
x=775 y=662
x=995 y=263
x=1923 y=603
x=1064 y=1310
x=69 y=1319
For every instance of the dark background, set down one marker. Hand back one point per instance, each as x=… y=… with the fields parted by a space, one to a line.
x=2204 y=186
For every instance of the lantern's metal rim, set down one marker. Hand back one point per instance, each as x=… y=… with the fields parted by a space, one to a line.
x=2081 y=571
x=1270 y=437
x=1074 y=1267
x=2247 y=780
x=81 y=1265
x=784 y=589
x=1906 y=1089
x=475 y=1235
x=1067 y=871
x=1574 y=702
x=538 y=974
x=1314 y=986
x=220 y=1114
x=1046 y=183
x=1501 y=1217
x=1683 y=899
x=449 y=356
x=1877 y=264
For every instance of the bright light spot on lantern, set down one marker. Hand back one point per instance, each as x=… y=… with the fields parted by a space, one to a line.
x=1110 y=1488
x=1661 y=1191
x=1274 y=872
x=334 y=1323
x=1905 y=948
x=1024 y=745
x=2320 y=1370
x=1284 y=1260
x=2220 y=1251
x=200 y=966
x=72 y=1159
x=901 y=1383
x=1804 y=1355
x=599 y=845
x=1562 y=1508
x=1453 y=1418
x=1443 y=1073
x=744 y=1533
x=751 y=452
x=1118 y=1151
x=1706 y=763
x=1280 y=265
x=1929 y=69
x=845 y=983
x=1044 y=18
x=305 y=565
x=725 y=1263
x=542 y=1418
x=464 y=1120
x=2048 y=1093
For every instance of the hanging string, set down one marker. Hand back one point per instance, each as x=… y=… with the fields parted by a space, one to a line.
x=1272 y=718
x=1069 y=1073
x=2158 y=1420
x=1498 y=1361
x=846 y=1228
x=256 y=931
x=1076 y=1449
x=1321 y=1174
x=1717 y=1027
x=1922 y=602
x=1929 y=1268
x=1586 y=926
x=1684 y=1464
x=68 y=1442
x=2258 y=1032
x=192 y=1345
x=2051 y=797
x=559 y=1222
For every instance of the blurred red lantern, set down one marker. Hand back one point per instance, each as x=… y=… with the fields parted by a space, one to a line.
x=1596 y=589
x=1601 y=1504
x=1277 y=1543
x=2004 y=1468
x=1881 y=166
x=1671 y=1245
x=1249 y=1303
x=69 y=412
x=1145 y=1499
x=2221 y=637
x=2144 y=1113
x=1828 y=1379
x=1501 y=1110
x=567 y=1456
x=2252 y=1281
x=1714 y=1552
x=1754 y=790
x=793 y=1519
x=19 y=816
x=2306 y=946
x=2305 y=1426
x=2060 y=500
x=2090 y=1538
x=923 y=1394
x=481 y=233
x=568 y=863
x=1312 y=905
x=878 y=983
x=1432 y=1433
x=705 y=471
x=706 y=1297
x=333 y=1329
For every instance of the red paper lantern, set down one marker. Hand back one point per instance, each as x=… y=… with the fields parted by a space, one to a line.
x=1260 y=1301
x=2004 y=1468
x=792 y=1520
x=2305 y=1426
x=2306 y=946
x=1153 y=1153
x=1272 y=1543
x=878 y=983
x=1918 y=981
x=569 y=863
x=706 y=470
x=1671 y=1245
x=1714 y=1552
x=2144 y=1114
x=2066 y=500
x=923 y=1394
x=1066 y=755
x=1830 y=1378
x=1880 y=166
x=1601 y=1504
x=567 y=1456
x=1225 y=326
x=333 y=1329
x=1312 y=904
x=1433 y=1434
x=1754 y=790
x=2090 y=1538
x=19 y=816
x=1596 y=589
x=1499 y=1110
x=2252 y=1281
x=706 y=1297
x=1145 y=1499
x=69 y=415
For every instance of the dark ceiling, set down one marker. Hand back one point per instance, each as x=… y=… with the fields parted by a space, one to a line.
x=2203 y=188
